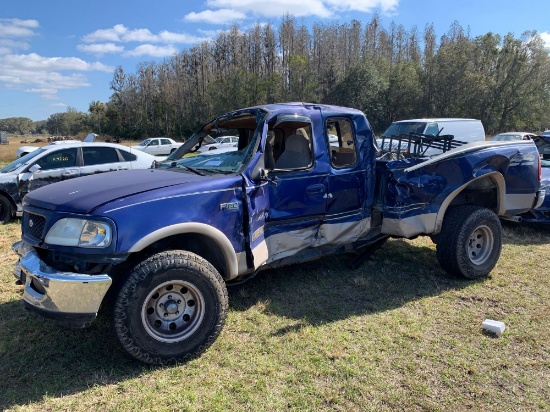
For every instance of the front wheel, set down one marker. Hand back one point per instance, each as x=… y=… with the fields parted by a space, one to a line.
x=171 y=308
x=470 y=241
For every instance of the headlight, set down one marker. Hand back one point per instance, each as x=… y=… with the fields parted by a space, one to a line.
x=79 y=232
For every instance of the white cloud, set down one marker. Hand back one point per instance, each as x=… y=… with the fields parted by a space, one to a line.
x=44 y=91
x=260 y=8
x=121 y=34
x=105 y=41
x=209 y=33
x=545 y=36
x=45 y=75
x=100 y=49
x=365 y=6
x=226 y=11
x=48 y=94
x=17 y=78
x=34 y=62
x=33 y=73
x=222 y=16
x=10 y=45
x=17 y=27
x=113 y=34
x=14 y=34
x=178 y=38
x=152 y=50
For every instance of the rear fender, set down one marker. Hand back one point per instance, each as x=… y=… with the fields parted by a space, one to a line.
x=495 y=177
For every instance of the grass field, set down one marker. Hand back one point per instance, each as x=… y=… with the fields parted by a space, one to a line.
x=396 y=334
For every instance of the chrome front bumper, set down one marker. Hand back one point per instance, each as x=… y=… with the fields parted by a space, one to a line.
x=64 y=296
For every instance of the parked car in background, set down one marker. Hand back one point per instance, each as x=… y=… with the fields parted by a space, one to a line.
x=23 y=150
x=545 y=133
x=542 y=213
x=158 y=146
x=220 y=142
x=463 y=130
x=57 y=162
x=228 y=148
x=510 y=136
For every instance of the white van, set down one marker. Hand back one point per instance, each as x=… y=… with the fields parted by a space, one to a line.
x=464 y=130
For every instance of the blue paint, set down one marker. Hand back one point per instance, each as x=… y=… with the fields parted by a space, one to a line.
x=193 y=189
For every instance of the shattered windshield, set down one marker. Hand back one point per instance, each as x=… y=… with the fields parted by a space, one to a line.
x=196 y=157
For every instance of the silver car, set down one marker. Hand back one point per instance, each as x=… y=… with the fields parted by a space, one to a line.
x=54 y=163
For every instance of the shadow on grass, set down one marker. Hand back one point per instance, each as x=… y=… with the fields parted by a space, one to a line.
x=327 y=290
x=39 y=359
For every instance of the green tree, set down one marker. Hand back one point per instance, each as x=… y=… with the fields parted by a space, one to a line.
x=97 y=109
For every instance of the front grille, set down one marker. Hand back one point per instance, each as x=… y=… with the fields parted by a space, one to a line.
x=33 y=225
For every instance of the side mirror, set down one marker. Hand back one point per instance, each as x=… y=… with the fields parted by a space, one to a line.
x=34 y=168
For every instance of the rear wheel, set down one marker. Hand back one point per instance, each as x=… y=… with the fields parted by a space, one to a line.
x=470 y=241
x=171 y=308
x=6 y=210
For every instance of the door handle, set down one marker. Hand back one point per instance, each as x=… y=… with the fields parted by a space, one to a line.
x=314 y=189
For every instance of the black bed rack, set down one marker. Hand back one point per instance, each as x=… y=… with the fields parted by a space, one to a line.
x=417 y=144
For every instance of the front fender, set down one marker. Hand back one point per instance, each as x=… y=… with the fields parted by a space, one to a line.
x=231 y=258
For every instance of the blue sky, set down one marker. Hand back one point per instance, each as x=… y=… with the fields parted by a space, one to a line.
x=61 y=53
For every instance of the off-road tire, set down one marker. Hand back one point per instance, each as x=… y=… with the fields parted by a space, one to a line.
x=171 y=308
x=470 y=241
x=6 y=210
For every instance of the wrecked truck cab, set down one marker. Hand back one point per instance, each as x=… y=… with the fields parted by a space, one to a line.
x=307 y=181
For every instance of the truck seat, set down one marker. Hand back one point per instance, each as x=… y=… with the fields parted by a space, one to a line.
x=296 y=153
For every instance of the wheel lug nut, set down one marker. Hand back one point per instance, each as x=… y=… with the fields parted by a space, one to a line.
x=161 y=305
x=177 y=312
x=169 y=296
x=179 y=301
x=166 y=315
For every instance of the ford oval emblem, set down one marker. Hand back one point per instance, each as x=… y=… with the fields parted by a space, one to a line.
x=31 y=223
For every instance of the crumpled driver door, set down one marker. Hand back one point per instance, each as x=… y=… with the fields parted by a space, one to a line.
x=257 y=210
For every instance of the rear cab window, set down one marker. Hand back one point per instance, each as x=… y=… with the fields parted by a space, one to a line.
x=342 y=152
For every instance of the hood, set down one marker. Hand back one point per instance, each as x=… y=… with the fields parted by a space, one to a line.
x=85 y=194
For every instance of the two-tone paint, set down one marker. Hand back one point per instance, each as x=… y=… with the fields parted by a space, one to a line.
x=500 y=176
x=262 y=217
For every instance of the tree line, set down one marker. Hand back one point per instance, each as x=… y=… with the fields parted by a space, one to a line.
x=390 y=73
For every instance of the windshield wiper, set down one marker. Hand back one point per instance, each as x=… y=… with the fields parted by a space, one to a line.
x=191 y=169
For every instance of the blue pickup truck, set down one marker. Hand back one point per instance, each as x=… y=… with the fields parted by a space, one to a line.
x=161 y=245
